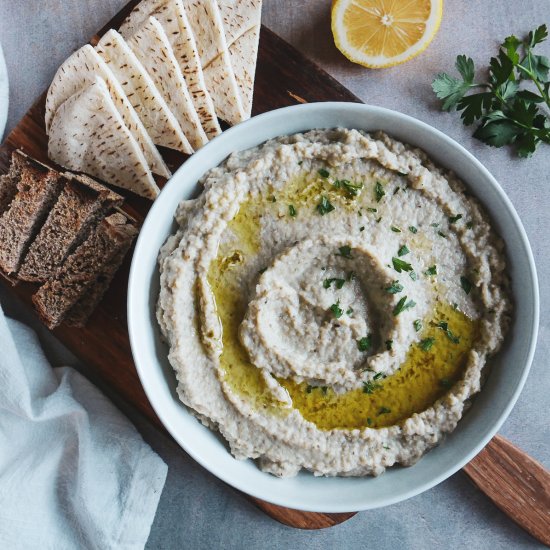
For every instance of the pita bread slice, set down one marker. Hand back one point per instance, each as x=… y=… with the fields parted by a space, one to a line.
x=152 y=48
x=87 y=134
x=159 y=121
x=80 y=70
x=171 y=15
x=207 y=25
x=241 y=22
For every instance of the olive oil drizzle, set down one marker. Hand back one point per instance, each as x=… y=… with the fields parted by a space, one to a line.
x=424 y=377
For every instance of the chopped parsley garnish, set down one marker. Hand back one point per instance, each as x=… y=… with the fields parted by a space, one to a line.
x=378 y=375
x=469 y=225
x=323 y=173
x=413 y=275
x=379 y=219
x=441 y=234
x=336 y=310
x=413 y=229
x=324 y=206
x=349 y=311
x=262 y=271
x=372 y=209
x=454 y=219
x=292 y=210
x=403 y=251
x=403 y=305
x=369 y=421
x=389 y=344
x=339 y=283
x=444 y=326
x=384 y=410
x=394 y=288
x=379 y=191
x=417 y=325
x=351 y=188
x=362 y=228
x=324 y=389
x=466 y=284
x=351 y=276
x=426 y=344
x=309 y=388
x=434 y=225
x=445 y=383
x=395 y=229
x=364 y=344
x=401 y=265
x=300 y=162
x=396 y=190
x=369 y=387
x=345 y=252
x=432 y=270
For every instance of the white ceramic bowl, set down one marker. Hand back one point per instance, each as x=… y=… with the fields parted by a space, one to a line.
x=306 y=492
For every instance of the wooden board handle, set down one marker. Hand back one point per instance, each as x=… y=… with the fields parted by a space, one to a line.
x=516 y=483
x=299 y=519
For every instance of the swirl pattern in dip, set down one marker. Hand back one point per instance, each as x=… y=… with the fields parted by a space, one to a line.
x=330 y=302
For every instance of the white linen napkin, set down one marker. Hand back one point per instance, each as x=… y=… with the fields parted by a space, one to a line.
x=74 y=472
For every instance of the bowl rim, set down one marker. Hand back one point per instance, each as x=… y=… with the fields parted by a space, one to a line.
x=202 y=156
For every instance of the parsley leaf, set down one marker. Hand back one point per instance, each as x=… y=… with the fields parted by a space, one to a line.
x=454 y=219
x=389 y=344
x=417 y=325
x=364 y=344
x=339 y=283
x=466 y=284
x=506 y=113
x=426 y=344
x=413 y=229
x=292 y=211
x=369 y=387
x=324 y=206
x=402 y=306
x=345 y=252
x=400 y=265
x=394 y=288
x=395 y=229
x=323 y=173
x=379 y=191
x=432 y=270
x=403 y=251
x=336 y=310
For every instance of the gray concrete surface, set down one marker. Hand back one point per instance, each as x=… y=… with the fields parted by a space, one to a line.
x=196 y=510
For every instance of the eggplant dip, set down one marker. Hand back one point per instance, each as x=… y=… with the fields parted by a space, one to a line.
x=330 y=302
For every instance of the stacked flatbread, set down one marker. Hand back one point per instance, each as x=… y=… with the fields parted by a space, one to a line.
x=174 y=69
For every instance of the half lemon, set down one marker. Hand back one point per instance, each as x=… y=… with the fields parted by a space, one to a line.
x=383 y=33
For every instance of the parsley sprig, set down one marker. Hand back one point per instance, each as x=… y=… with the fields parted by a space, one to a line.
x=507 y=114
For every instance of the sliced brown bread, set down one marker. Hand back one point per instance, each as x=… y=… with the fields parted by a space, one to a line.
x=37 y=190
x=82 y=203
x=81 y=269
x=8 y=182
x=78 y=316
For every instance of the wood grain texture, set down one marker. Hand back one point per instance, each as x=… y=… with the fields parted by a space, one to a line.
x=283 y=75
x=516 y=483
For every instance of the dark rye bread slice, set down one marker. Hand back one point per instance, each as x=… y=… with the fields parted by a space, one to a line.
x=9 y=181
x=37 y=190
x=82 y=203
x=82 y=268
x=78 y=316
